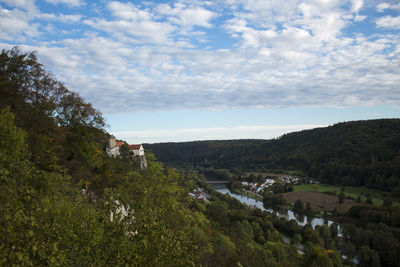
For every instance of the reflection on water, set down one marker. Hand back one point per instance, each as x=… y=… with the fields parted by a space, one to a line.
x=282 y=213
x=244 y=199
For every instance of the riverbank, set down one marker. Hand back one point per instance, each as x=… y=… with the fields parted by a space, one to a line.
x=286 y=213
x=247 y=193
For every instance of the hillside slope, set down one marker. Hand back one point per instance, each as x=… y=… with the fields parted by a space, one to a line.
x=350 y=153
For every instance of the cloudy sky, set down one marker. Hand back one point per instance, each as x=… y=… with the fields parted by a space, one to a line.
x=223 y=69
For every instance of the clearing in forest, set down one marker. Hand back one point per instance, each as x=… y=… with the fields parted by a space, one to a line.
x=319 y=201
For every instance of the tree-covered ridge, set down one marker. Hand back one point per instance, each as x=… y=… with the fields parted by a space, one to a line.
x=350 y=153
x=46 y=219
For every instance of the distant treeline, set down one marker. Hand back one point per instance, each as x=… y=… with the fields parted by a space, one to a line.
x=358 y=153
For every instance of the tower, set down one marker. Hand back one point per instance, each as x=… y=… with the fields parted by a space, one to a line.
x=112 y=142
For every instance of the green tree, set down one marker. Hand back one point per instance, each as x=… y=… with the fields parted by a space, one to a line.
x=369 y=257
x=298 y=206
x=224 y=250
x=341 y=197
x=297 y=239
x=41 y=104
x=258 y=233
x=387 y=202
x=13 y=150
x=242 y=231
x=369 y=200
x=218 y=212
x=124 y=151
x=308 y=208
x=317 y=257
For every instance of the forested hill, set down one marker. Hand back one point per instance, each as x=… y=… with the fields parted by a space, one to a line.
x=349 y=153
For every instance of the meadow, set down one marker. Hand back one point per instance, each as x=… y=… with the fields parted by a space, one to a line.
x=350 y=192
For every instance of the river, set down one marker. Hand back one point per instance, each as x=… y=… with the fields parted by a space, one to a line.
x=287 y=214
x=282 y=213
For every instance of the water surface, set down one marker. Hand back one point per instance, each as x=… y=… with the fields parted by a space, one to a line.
x=282 y=213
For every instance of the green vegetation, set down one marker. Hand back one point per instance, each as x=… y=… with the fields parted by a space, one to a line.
x=353 y=192
x=359 y=153
x=361 y=157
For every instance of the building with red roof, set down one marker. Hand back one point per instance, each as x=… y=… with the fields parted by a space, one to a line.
x=137 y=150
x=114 y=145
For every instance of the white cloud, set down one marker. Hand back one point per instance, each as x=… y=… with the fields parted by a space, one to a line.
x=187 y=16
x=28 y=5
x=146 y=57
x=72 y=3
x=323 y=19
x=62 y=59
x=359 y=18
x=128 y=11
x=115 y=76
x=15 y=25
x=383 y=6
x=61 y=17
x=356 y=5
x=146 y=32
x=389 y=22
x=133 y=25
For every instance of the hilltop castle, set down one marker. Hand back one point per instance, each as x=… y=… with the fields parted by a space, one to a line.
x=135 y=150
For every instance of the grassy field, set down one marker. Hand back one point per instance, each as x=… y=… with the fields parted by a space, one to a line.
x=354 y=192
x=319 y=201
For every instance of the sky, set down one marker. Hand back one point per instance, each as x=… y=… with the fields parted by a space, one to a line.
x=170 y=71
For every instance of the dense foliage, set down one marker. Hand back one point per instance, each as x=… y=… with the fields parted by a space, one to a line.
x=373 y=233
x=359 y=153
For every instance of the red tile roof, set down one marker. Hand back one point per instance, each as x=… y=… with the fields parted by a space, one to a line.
x=120 y=143
x=135 y=147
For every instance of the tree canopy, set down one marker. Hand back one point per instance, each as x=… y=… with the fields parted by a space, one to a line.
x=358 y=153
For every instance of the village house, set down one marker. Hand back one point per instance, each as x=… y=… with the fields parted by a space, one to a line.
x=290 y=179
x=200 y=195
x=258 y=188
